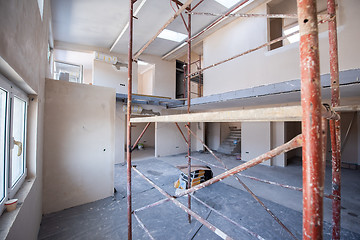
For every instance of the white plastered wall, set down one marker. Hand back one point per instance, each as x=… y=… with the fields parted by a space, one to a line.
x=105 y=75
x=256 y=140
x=213 y=133
x=265 y=67
x=79 y=147
x=164 y=83
x=168 y=140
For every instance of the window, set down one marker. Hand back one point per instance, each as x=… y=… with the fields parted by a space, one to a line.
x=68 y=72
x=3 y=98
x=41 y=8
x=13 y=112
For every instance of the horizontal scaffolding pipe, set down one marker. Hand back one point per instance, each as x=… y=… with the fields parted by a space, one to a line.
x=152 y=205
x=324 y=17
x=186 y=209
x=292 y=144
x=228 y=219
x=181 y=9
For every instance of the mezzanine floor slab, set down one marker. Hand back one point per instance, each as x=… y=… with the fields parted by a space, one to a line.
x=106 y=219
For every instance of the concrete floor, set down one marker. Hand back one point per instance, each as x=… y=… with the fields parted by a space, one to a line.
x=106 y=219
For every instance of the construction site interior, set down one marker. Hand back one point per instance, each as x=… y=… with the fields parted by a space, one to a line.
x=179 y=119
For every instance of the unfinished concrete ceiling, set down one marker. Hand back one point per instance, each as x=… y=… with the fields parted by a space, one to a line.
x=99 y=23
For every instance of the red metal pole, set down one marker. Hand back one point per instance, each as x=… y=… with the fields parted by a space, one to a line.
x=335 y=131
x=141 y=135
x=128 y=137
x=188 y=107
x=313 y=177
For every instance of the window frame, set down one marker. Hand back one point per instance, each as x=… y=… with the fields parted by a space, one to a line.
x=12 y=91
x=81 y=77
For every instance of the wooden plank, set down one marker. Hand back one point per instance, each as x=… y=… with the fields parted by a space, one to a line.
x=288 y=113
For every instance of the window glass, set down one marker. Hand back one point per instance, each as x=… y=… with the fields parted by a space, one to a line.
x=67 y=72
x=18 y=130
x=3 y=96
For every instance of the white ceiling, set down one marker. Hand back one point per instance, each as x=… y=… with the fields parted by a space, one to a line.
x=98 y=23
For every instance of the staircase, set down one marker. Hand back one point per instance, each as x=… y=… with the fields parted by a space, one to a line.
x=232 y=143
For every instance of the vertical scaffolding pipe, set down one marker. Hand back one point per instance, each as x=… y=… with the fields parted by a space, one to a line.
x=313 y=177
x=335 y=130
x=128 y=135
x=188 y=107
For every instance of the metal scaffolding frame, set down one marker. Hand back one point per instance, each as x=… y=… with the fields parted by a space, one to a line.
x=314 y=123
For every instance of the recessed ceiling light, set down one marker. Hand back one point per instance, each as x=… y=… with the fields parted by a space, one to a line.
x=227 y=3
x=172 y=36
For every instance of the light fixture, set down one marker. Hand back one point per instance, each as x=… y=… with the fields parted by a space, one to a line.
x=227 y=3
x=172 y=35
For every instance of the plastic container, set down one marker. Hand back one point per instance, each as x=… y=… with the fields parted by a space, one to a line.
x=11 y=205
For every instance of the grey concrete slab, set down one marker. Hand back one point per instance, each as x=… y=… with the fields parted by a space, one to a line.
x=106 y=219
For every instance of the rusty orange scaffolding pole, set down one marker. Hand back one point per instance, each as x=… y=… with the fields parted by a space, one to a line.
x=313 y=177
x=335 y=124
x=188 y=107
x=128 y=137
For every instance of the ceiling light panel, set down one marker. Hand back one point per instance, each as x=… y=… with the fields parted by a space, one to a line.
x=172 y=36
x=227 y=3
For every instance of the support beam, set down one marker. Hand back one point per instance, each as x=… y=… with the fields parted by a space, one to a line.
x=188 y=108
x=288 y=113
x=335 y=101
x=313 y=177
x=128 y=137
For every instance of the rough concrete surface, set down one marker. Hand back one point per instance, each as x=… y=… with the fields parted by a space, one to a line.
x=106 y=219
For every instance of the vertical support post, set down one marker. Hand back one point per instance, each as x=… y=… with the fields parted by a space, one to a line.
x=188 y=107
x=128 y=136
x=313 y=178
x=199 y=85
x=335 y=101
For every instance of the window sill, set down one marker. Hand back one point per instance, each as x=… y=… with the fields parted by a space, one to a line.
x=8 y=218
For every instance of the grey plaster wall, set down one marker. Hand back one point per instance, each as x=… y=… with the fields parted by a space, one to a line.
x=79 y=147
x=23 y=45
